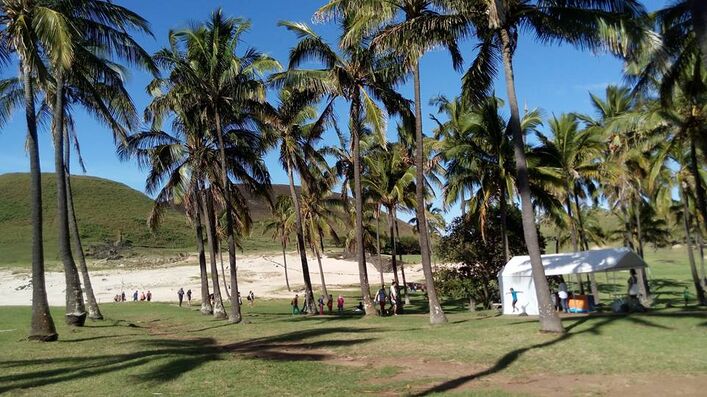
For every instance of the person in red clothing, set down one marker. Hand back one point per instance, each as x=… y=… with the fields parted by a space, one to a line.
x=340 y=304
x=330 y=302
x=321 y=305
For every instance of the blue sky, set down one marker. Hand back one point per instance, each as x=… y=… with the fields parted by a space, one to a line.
x=556 y=79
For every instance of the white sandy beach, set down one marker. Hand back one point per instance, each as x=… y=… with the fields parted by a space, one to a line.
x=262 y=274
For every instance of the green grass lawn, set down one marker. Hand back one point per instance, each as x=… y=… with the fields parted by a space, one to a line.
x=143 y=349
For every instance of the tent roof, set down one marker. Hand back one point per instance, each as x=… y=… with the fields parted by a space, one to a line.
x=609 y=259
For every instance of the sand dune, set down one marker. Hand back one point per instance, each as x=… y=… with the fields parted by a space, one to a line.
x=262 y=274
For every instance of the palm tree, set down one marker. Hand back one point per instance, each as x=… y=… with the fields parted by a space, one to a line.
x=410 y=27
x=478 y=153
x=31 y=30
x=616 y=25
x=389 y=180
x=94 y=312
x=701 y=297
x=225 y=87
x=571 y=155
x=90 y=78
x=360 y=76
x=179 y=163
x=281 y=226
x=295 y=126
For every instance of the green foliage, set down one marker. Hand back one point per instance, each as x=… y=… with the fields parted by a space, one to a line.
x=407 y=245
x=479 y=257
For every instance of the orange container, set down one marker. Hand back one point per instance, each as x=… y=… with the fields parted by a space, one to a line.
x=579 y=304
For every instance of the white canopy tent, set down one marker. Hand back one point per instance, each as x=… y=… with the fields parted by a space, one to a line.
x=517 y=272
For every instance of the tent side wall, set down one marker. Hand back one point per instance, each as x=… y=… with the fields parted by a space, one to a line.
x=527 y=300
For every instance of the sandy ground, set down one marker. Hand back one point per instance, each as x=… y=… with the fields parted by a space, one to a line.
x=262 y=274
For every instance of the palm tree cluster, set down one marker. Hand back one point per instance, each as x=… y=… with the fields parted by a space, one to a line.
x=210 y=122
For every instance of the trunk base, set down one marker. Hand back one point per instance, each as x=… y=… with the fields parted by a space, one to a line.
x=235 y=320
x=95 y=316
x=76 y=320
x=220 y=313
x=44 y=338
x=206 y=309
x=438 y=319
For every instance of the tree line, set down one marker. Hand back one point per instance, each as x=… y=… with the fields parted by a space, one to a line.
x=210 y=122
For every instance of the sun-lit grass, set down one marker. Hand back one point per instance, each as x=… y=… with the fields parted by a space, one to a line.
x=146 y=348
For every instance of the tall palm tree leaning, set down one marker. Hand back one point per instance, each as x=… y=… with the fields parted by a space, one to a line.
x=359 y=76
x=220 y=83
x=295 y=126
x=618 y=26
x=90 y=78
x=411 y=27
x=29 y=28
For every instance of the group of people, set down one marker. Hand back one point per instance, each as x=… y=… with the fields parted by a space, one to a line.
x=327 y=301
x=392 y=297
x=180 y=294
x=143 y=296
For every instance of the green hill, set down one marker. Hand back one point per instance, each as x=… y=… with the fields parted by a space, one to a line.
x=105 y=210
x=109 y=210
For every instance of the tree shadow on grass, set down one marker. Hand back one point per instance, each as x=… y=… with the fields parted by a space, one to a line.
x=602 y=320
x=179 y=356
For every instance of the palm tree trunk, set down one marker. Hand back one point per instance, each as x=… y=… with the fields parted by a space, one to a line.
x=699 y=188
x=639 y=237
x=393 y=247
x=358 y=192
x=75 y=309
x=573 y=234
x=218 y=310
x=437 y=315
x=223 y=270
x=549 y=321
x=688 y=242
x=309 y=293
x=199 y=231
x=463 y=202
x=321 y=269
x=94 y=312
x=504 y=222
x=284 y=261
x=639 y=232
x=402 y=265
x=701 y=250
x=583 y=243
x=235 y=315
x=42 y=326
x=378 y=243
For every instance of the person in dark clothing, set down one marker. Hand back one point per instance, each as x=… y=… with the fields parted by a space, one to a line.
x=189 y=296
x=180 y=294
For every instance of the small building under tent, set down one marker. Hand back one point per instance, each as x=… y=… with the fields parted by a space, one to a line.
x=517 y=273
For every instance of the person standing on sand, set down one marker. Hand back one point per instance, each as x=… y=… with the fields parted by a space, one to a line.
x=122 y=296
x=340 y=304
x=149 y=295
x=295 y=305
x=189 y=296
x=142 y=296
x=180 y=294
x=135 y=296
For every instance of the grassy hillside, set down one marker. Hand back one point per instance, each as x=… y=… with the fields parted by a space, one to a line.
x=108 y=210
x=105 y=210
